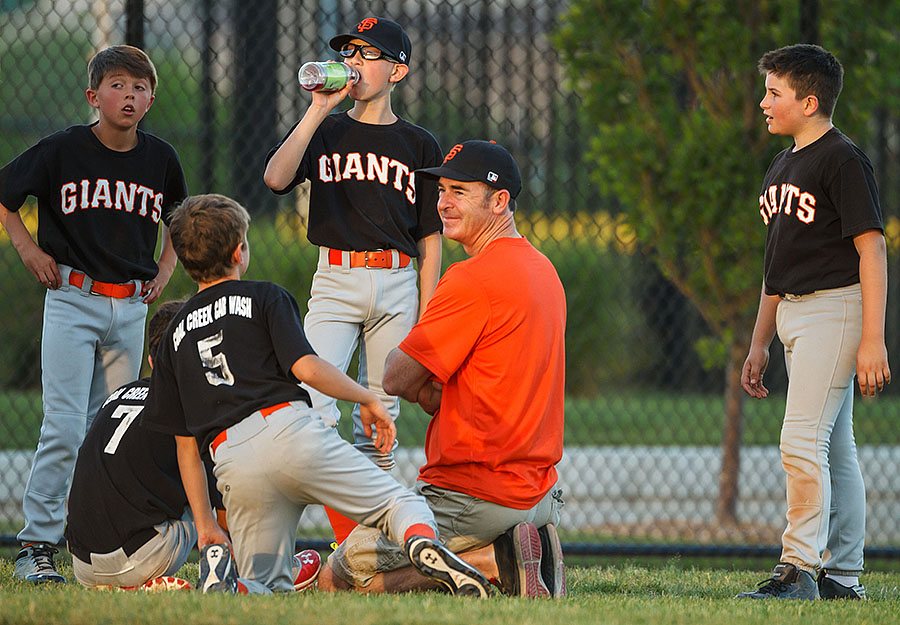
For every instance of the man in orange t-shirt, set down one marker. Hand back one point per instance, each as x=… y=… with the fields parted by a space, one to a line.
x=487 y=359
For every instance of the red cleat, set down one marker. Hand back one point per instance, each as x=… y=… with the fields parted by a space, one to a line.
x=306 y=568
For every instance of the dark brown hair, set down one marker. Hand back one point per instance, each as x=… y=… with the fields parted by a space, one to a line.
x=159 y=323
x=809 y=70
x=128 y=58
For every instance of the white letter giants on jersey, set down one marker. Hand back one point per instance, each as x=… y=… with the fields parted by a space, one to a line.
x=788 y=199
x=119 y=196
x=338 y=167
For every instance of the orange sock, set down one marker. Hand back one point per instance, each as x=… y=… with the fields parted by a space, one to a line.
x=242 y=588
x=419 y=529
x=341 y=525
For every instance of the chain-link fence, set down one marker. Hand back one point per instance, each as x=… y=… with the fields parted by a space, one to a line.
x=644 y=418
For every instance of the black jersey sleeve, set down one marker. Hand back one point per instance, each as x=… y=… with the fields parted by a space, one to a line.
x=855 y=194
x=163 y=411
x=176 y=187
x=426 y=194
x=286 y=329
x=25 y=175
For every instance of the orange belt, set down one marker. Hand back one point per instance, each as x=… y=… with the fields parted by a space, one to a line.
x=119 y=291
x=265 y=412
x=380 y=259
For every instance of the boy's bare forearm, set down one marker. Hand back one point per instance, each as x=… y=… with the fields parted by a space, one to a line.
x=873 y=283
x=328 y=379
x=429 y=268
x=282 y=167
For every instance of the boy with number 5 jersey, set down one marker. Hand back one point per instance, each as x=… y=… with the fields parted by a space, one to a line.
x=824 y=291
x=102 y=190
x=226 y=376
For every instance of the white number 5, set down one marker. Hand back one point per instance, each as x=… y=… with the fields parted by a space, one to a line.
x=214 y=361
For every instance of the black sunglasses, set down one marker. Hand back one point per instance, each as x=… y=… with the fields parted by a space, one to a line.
x=368 y=52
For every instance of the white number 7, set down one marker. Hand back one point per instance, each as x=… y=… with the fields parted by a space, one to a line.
x=127 y=414
x=214 y=361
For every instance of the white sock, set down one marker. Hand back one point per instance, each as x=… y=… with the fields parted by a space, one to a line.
x=844 y=580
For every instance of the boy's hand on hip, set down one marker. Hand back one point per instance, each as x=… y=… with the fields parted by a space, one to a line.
x=42 y=266
x=872 y=369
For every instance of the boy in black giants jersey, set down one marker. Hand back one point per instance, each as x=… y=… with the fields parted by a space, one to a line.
x=369 y=215
x=227 y=376
x=824 y=291
x=102 y=190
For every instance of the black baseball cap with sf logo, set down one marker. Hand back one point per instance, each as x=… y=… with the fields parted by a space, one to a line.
x=479 y=161
x=380 y=32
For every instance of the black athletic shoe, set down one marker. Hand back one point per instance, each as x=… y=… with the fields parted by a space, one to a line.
x=787 y=582
x=830 y=589
x=35 y=564
x=518 y=555
x=553 y=569
x=434 y=560
x=217 y=572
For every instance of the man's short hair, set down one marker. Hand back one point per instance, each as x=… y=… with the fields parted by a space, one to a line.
x=809 y=70
x=488 y=191
x=127 y=58
x=159 y=322
x=205 y=231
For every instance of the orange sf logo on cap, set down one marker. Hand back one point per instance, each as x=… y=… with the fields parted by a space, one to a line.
x=366 y=24
x=453 y=152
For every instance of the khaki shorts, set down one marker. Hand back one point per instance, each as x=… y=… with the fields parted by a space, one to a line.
x=464 y=523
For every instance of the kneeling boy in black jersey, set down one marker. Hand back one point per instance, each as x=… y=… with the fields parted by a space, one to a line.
x=227 y=375
x=128 y=524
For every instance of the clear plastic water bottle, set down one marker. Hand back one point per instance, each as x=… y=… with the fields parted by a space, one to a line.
x=326 y=75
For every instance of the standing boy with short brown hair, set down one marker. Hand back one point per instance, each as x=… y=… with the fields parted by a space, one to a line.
x=824 y=291
x=102 y=190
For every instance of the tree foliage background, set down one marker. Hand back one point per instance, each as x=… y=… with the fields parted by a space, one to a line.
x=678 y=140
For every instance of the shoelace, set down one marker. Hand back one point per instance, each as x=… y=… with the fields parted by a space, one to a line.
x=42 y=556
x=772 y=586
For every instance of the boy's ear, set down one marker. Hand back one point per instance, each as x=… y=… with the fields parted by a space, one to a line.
x=91 y=96
x=399 y=72
x=237 y=255
x=810 y=105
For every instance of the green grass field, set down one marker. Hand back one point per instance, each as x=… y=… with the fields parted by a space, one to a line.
x=624 y=593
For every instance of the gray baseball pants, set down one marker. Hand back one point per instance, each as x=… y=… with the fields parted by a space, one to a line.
x=826 y=497
x=373 y=309
x=270 y=468
x=90 y=346
x=160 y=556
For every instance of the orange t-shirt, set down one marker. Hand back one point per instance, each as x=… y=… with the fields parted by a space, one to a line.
x=494 y=335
